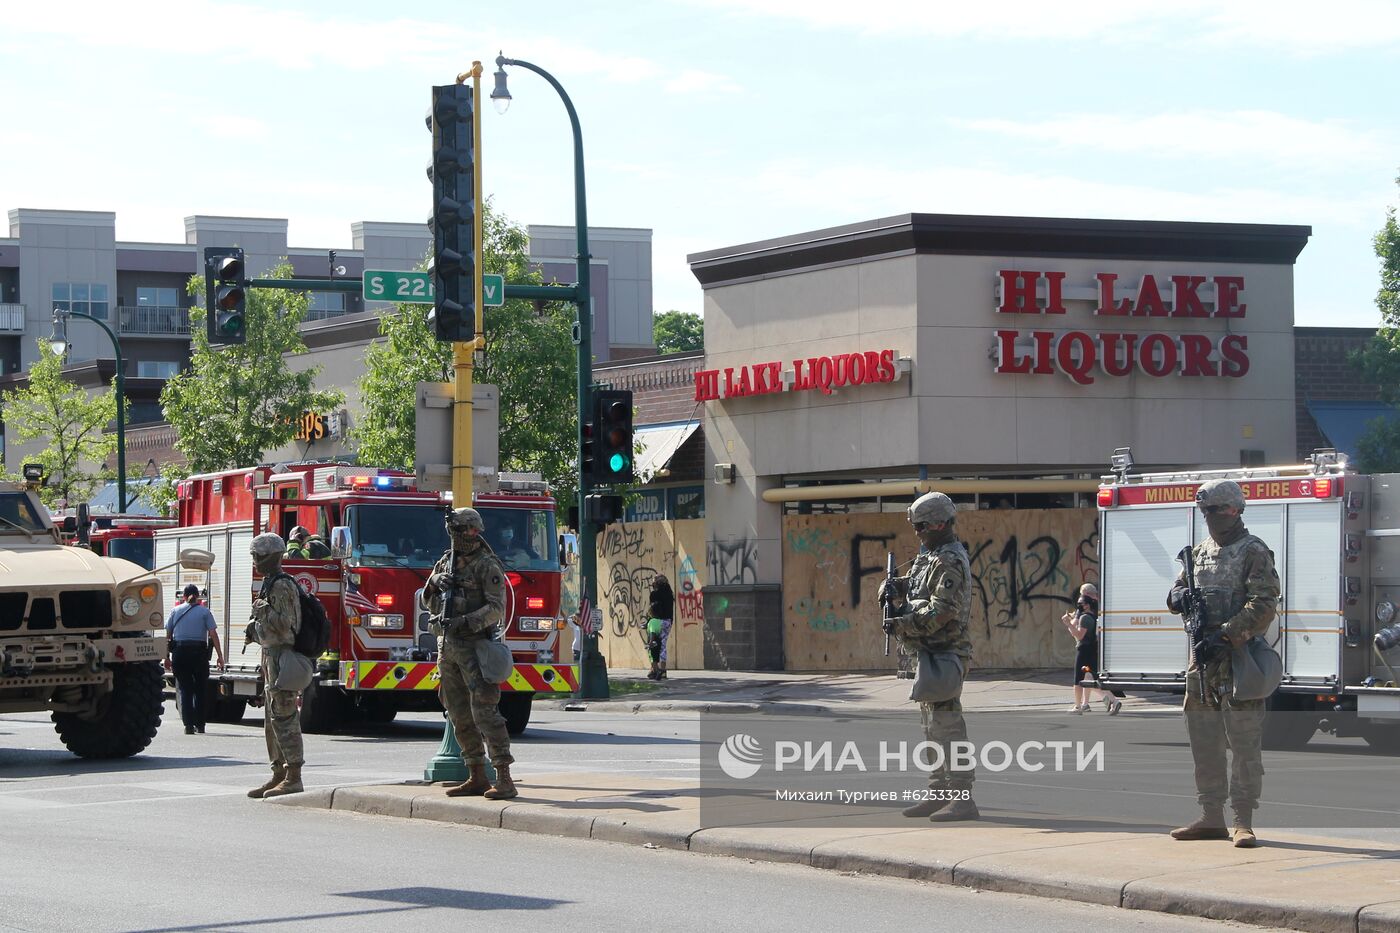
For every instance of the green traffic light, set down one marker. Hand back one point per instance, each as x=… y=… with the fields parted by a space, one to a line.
x=617 y=463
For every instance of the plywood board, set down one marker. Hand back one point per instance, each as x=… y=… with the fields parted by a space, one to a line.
x=1026 y=566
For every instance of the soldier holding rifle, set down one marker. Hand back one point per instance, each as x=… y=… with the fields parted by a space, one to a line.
x=1227 y=593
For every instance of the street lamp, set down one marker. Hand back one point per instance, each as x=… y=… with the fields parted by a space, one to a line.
x=58 y=343
x=593 y=679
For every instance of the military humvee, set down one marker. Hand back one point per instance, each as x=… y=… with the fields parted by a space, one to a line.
x=77 y=633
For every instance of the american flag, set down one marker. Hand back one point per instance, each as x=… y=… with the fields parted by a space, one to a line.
x=356 y=604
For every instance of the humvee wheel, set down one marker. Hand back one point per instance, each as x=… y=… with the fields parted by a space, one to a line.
x=124 y=721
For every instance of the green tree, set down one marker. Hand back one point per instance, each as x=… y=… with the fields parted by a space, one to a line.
x=677 y=331
x=529 y=354
x=71 y=422
x=237 y=402
x=1379 y=362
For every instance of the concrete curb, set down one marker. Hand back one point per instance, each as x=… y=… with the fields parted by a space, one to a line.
x=1270 y=892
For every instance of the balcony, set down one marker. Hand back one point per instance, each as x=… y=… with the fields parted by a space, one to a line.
x=154 y=321
x=11 y=319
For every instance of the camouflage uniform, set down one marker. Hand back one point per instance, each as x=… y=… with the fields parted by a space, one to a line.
x=940 y=609
x=277 y=611
x=469 y=700
x=1239 y=589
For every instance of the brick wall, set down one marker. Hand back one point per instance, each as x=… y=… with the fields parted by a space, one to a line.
x=1322 y=373
x=663 y=387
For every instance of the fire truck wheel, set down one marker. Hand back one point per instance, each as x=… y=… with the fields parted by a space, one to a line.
x=122 y=722
x=227 y=709
x=1288 y=727
x=322 y=709
x=516 y=708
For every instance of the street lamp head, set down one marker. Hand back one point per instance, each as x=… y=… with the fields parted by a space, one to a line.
x=500 y=95
x=58 y=342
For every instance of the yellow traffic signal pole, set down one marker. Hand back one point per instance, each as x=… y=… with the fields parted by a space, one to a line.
x=447 y=764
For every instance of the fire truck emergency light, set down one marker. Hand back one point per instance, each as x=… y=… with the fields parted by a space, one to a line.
x=1108 y=497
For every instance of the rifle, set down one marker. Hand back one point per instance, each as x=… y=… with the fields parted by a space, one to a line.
x=1193 y=618
x=894 y=590
x=441 y=619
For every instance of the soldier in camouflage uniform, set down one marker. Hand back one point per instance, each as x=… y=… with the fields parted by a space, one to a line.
x=475 y=580
x=276 y=619
x=1238 y=588
x=935 y=605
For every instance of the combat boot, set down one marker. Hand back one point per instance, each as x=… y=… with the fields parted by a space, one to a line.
x=1243 y=833
x=474 y=786
x=956 y=812
x=279 y=773
x=505 y=787
x=1211 y=825
x=291 y=784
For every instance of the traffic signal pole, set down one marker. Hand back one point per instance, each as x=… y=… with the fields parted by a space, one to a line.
x=593 y=678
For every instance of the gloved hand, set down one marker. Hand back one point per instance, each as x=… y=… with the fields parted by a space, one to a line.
x=441 y=581
x=1214 y=645
x=1180 y=599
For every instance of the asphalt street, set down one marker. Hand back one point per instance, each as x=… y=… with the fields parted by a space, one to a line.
x=167 y=841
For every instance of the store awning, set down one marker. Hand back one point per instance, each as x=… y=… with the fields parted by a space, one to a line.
x=659 y=443
x=1343 y=423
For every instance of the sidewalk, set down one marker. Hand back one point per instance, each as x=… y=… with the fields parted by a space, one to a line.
x=778 y=692
x=1293 y=881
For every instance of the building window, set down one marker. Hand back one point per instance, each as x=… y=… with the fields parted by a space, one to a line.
x=157 y=298
x=157 y=369
x=84 y=297
x=325 y=304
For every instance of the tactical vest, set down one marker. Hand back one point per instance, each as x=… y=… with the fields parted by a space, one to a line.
x=1220 y=577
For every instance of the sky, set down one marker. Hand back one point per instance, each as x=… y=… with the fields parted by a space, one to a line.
x=720 y=122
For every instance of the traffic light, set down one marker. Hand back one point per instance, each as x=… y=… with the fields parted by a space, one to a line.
x=588 y=463
x=612 y=424
x=603 y=509
x=225 y=295
x=454 y=213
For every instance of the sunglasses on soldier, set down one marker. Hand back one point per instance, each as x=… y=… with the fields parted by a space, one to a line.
x=1212 y=509
x=920 y=526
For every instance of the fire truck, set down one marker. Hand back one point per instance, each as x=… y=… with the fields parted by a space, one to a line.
x=1335 y=535
x=130 y=537
x=383 y=536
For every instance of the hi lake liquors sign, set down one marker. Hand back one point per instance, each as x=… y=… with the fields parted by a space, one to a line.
x=1095 y=351
x=822 y=374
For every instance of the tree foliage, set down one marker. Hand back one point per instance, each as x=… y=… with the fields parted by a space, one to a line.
x=677 y=331
x=529 y=354
x=237 y=402
x=1379 y=362
x=71 y=422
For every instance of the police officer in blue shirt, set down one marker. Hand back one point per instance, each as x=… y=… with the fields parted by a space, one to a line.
x=190 y=629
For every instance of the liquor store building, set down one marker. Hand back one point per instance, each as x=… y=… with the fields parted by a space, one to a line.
x=999 y=359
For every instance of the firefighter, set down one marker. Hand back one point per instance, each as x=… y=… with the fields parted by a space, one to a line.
x=934 y=608
x=1238 y=589
x=276 y=619
x=303 y=545
x=467 y=592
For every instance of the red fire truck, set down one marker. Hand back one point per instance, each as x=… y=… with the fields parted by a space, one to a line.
x=383 y=537
x=1335 y=535
x=130 y=537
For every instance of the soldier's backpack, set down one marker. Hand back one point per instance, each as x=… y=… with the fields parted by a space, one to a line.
x=314 y=636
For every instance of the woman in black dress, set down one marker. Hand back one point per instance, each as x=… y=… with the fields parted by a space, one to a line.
x=1082 y=622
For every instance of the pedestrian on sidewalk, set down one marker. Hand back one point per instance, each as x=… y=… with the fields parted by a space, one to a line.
x=1083 y=626
x=190 y=629
x=467 y=593
x=660 y=612
x=276 y=621
x=1237 y=590
x=933 y=609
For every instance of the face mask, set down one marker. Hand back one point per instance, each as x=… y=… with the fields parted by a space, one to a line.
x=267 y=563
x=1220 y=525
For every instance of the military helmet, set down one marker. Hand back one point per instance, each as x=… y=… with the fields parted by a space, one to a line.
x=460 y=520
x=267 y=544
x=932 y=508
x=1220 y=492
x=297 y=534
